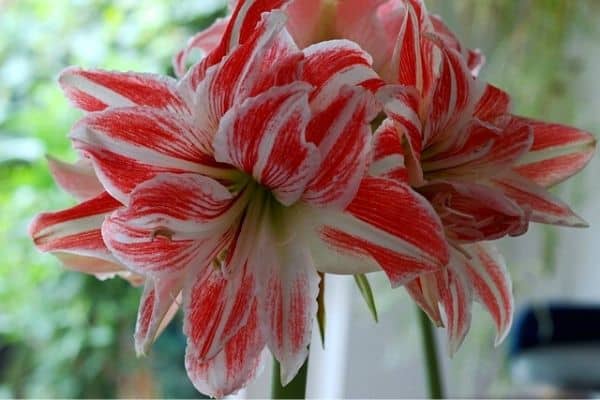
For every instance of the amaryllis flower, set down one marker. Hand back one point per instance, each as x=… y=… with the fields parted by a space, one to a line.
x=373 y=24
x=234 y=186
x=80 y=181
x=483 y=169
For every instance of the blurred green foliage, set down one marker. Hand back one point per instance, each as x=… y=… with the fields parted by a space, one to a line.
x=63 y=334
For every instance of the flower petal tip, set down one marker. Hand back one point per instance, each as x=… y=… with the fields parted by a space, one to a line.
x=500 y=336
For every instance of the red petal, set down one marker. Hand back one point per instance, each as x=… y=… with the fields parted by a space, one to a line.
x=424 y=291
x=264 y=137
x=158 y=305
x=390 y=223
x=173 y=222
x=487 y=274
x=451 y=288
x=408 y=62
x=482 y=150
x=246 y=15
x=492 y=104
x=95 y=90
x=243 y=63
x=402 y=104
x=288 y=289
x=232 y=368
x=543 y=207
x=204 y=41
x=343 y=133
x=216 y=308
x=453 y=92
x=78 y=179
x=558 y=152
x=473 y=212
x=456 y=297
x=474 y=58
x=75 y=230
x=131 y=145
x=267 y=59
x=333 y=64
x=388 y=157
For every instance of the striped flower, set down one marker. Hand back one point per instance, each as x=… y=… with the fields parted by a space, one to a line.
x=234 y=186
x=450 y=136
x=483 y=169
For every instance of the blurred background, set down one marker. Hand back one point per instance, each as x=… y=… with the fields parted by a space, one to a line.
x=63 y=334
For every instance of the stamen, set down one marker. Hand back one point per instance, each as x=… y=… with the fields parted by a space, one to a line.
x=219 y=261
x=163 y=233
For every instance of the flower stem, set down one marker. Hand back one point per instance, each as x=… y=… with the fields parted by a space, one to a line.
x=434 y=377
x=296 y=389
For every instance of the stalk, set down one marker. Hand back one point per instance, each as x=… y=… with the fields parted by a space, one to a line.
x=296 y=389
x=430 y=352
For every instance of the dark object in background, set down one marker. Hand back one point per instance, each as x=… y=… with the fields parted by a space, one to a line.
x=555 y=351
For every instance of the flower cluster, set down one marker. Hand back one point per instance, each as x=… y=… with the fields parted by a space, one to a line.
x=314 y=136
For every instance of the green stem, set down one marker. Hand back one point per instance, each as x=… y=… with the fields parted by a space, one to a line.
x=296 y=389
x=434 y=377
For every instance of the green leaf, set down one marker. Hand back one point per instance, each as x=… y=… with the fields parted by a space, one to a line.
x=321 y=309
x=365 y=290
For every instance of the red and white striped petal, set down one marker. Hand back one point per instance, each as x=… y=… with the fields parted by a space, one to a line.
x=204 y=41
x=78 y=179
x=237 y=364
x=473 y=212
x=159 y=304
x=216 y=308
x=424 y=291
x=390 y=223
x=487 y=275
x=558 y=152
x=482 y=150
x=388 y=153
x=246 y=15
x=542 y=205
x=187 y=205
x=75 y=230
x=455 y=295
x=333 y=64
x=265 y=137
x=131 y=145
x=342 y=133
x=450 y=288
x=330 y=259
x=96 y=90
x=407 y=63
x=173 y=222
x=401 y=104
x=453 y=93
x=287 y=293
x=492 y=103
x=249 y=69
x=474 y=58
x=244 y=46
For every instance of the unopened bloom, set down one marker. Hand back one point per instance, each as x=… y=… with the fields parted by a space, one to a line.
x=234 y=186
